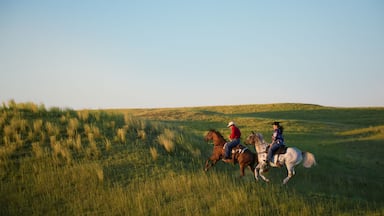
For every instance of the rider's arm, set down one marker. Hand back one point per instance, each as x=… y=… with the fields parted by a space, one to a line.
x=274 y=135
x=232 y=135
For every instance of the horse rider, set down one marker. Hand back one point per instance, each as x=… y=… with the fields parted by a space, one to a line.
x=277 y=141
x=234 y=138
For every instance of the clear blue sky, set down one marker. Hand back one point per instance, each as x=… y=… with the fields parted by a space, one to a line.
x=128 y=54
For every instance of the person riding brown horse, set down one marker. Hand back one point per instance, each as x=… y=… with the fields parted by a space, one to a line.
x=234 y=138
x=241 y=155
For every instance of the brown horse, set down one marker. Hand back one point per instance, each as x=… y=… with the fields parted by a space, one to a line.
x=240 y=154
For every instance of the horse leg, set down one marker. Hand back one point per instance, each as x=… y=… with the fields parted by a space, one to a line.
x=209 y=163
x=212 y=160
x=241 y=170
x=259 y=172
x=291 y=173
x=256 y=171
x=262 y=171
x=262 y=176
x=250 y=166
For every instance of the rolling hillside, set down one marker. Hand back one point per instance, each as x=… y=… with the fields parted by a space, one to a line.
x=150 y=161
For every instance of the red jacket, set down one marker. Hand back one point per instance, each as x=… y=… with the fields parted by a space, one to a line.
x=235 y=133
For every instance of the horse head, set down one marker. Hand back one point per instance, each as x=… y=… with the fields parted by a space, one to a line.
x=255 y=138
x=216 y=136
x=209 y=135
x=250 y=140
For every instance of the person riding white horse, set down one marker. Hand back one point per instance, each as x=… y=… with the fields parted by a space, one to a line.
x=292 y=157
x=277 y=142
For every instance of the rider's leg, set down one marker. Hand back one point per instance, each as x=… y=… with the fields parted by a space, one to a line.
x=230 y=145
x=271 y=151
x=227 y=151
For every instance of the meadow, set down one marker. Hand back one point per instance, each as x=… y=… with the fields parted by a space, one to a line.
x=150 y=161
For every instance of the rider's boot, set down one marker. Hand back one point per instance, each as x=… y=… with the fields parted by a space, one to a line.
x=228 y=159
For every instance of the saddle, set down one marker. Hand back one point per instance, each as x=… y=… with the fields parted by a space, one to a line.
x=281 y=150
x=236 y=151
x=239 y=149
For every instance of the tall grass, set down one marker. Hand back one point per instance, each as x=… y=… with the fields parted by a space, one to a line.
x=126 y=163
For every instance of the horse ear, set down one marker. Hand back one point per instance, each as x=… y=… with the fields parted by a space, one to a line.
x=253 y=132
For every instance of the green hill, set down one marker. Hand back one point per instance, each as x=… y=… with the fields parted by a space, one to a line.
x=150 y=161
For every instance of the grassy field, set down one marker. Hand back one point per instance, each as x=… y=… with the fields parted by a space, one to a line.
x=150 y=161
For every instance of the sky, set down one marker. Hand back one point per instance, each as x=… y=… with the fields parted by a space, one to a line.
x=94 y=54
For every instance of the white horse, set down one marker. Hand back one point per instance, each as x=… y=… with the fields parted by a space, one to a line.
x=290 y=159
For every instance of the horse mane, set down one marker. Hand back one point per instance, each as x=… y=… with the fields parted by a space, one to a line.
x=217 y=133
x=259 y=137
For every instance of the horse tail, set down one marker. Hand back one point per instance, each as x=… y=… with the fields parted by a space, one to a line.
x=308 y=159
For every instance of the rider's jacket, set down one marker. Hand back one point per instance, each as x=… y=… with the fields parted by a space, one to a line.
x=277 y=136
x=235 y=133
